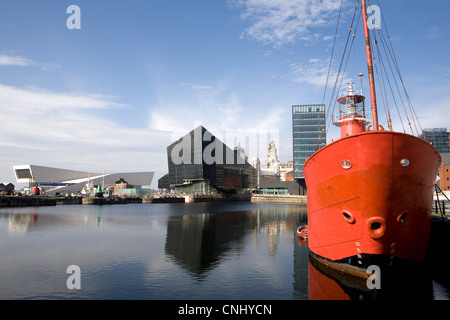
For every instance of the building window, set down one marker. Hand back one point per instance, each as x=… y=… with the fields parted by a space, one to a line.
x=308 y=123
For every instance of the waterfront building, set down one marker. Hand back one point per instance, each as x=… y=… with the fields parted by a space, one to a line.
x=272 y=164
x=438 y=137
x=55 y=181
x=257 y=165
x=271 y=184
x=124 y=189
x=285 y=169
x=7 y=188
x=444 y=173
x=199 y=162
x=289 y=176
x=276 y=177
x=309 y=135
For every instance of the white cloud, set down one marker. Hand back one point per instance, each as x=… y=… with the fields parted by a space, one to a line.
x=214 y=106
x=21 y=61
x=35 y=100
x=223 y=113
x=68 y=130
x=434 y=114
x=278 y=22
x=315 y=72
x=7 y=60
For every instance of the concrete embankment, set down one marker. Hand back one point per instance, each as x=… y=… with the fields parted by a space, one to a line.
x=168 y=199
x=279 y=198
x=68 y=200
x=195 y=198
x=14 y=201
x=90 y=201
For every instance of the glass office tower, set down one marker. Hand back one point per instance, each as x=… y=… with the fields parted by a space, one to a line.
x=438 y=137
x=309 y=135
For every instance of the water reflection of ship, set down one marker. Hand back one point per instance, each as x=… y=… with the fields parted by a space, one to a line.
x=427 y=281
x=328 y=284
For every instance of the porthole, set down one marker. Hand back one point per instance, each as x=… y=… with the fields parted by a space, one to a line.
x=346 y=164
x=350 y=218
x=401 y=218
x=404 y=162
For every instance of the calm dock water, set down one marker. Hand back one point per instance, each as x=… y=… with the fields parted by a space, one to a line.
x=235 y=250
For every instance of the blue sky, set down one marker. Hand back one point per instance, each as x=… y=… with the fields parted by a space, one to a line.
x=111 y=96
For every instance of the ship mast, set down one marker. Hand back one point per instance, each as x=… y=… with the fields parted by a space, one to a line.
x=370 y=67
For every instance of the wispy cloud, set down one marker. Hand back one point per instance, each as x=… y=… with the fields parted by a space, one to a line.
x=213 y=105
x=21 y=61
x=36 y=100
x=220 y=110
x=68 y=130
x=314 y=71
x=278 y=22
x=7 y=60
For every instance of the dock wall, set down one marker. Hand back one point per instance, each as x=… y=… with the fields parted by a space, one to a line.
x=13 y=201
x=278 y=198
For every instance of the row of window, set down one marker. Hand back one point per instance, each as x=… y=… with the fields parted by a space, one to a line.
x=308 y=146
x=314 y=126
x=308 y=133
x=304 y=151
x=302 y=119
x=310 y=128
x=300 y=137
x=309 y=108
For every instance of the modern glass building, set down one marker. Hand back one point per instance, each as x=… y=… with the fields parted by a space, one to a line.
x=309 y=135
x=200 y=157
x=438 y=137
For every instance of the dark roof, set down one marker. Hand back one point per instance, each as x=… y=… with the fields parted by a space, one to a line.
x=445 y=159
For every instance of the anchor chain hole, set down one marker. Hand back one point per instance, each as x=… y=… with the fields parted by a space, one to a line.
x=350 y=218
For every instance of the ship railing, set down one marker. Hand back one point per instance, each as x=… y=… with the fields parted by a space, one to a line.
x=350 y=90
x=350 y=113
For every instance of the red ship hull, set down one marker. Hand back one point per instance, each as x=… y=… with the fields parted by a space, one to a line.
x=371 y=194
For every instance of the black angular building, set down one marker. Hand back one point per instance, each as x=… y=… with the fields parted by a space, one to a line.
x=200 y=157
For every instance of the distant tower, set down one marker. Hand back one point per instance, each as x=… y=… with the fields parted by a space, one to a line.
x=240 y=152
x=272 y=163
x=257 y=165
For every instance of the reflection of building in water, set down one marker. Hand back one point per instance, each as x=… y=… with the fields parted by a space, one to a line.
x=272 y=230
x=199 y=242
x=25 y=222
x=21 y=222
x=274 y=225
